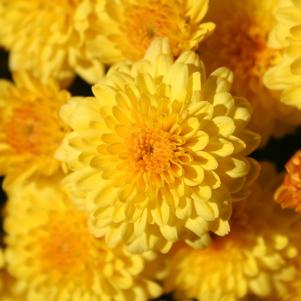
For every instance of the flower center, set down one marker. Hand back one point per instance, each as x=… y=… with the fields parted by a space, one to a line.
x=34 y=128
x=152 y=150
x=144 y=23
x=247 y=52
x=67 y=244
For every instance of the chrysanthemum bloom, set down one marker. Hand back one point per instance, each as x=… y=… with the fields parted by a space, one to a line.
x=159 y=153
x=240 y=42
x=286 y=75
x=54 y=257
x=51 y=39
x=289 y=193
x=30 y=128
x=129 y=26
x=255 y=258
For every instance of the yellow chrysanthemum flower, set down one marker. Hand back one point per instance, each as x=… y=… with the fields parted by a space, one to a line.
x=159 y=153
x=255 y=258
x=240 y=42
x=30 y=128
x=286 y=75
x=53 y=256
x=52 y=39
x=129 y=26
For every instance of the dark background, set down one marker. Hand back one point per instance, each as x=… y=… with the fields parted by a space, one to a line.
x=277 y=151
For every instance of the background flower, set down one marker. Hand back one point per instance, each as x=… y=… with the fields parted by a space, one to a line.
x=53 y=256
x=129 y=26
x=286 y=75
x=159 y=153
x=52 y=39
x=240 y=42
x=288 y=194
x=30 y=128
x=257 y=257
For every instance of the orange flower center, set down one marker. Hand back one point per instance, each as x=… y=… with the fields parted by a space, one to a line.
x=34 y=128
x=144 y=23
x=66 y=246
x=247 y=52
x=152 y=150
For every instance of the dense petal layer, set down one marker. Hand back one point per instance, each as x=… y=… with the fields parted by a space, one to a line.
x=129 y=26
x=160 y=152
x=286 y=36
x=30 y=128
x=52 y=39
x=240 y=42
x=256 y=258
x=53 y=257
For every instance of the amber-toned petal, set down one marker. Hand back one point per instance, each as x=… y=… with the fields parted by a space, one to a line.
x=288 y=194
x=256 y=261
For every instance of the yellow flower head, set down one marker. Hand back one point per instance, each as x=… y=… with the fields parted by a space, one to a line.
x=130 y=25
x=54 y=257
x=52 y=38
x=240 y=43
x=286 y=75
x=289 y=193
x=30 y=128
x=255 y=258
x=159 y=153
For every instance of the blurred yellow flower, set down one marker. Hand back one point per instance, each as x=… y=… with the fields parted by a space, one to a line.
x=30 y=128
x=255 y=258
x=51 y=39
x=129 y=26
x=289 y=193
x=160 y=152
x=286 y=75
x=54 y=257
x=240 y=42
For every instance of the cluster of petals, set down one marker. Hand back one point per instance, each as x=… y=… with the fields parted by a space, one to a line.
x=244 y=40
x=53 y=257
x=285 y=76
x=160 y=152
x=289 y=193
x=52 y=39
x=30 y=128
x=149 y=186
x=60 y=39
x=129 y=26
x=256 y=259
